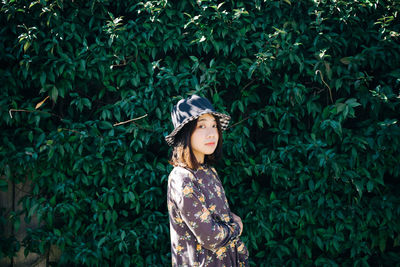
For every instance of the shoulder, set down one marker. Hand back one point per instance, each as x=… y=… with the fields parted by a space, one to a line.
x=214 y=170
x=179 y=176
x=180 y=172
x=181 y=184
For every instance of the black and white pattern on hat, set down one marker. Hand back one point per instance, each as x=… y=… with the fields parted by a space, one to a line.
x=187 y=110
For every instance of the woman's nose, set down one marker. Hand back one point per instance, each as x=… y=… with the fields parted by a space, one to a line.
x=212 y=132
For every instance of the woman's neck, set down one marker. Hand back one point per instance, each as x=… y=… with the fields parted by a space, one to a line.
x=199 y=157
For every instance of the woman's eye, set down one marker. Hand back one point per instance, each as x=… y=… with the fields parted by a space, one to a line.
x=215 y=126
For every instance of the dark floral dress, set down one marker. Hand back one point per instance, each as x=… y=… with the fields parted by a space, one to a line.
x=201 y=226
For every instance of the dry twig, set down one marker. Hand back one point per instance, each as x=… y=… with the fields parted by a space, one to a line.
x=128 y=121
x=31 y=111
x=322 y=78
x=248 y=117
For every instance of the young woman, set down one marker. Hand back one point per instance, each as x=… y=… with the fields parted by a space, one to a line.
x=204 y=232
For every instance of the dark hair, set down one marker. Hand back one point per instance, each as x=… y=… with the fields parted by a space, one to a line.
x=182 y=154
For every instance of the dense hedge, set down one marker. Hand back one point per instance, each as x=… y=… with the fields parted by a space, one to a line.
x=311 y=157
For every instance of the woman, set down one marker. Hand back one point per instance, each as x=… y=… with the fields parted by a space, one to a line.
x=204 y=232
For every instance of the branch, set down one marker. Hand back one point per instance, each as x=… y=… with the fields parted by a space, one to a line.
x=128 y=121
x=31 y=111
x=69 y=130
x=248 y=117
x=248 y=84
x=143 y=128
x=322 y=78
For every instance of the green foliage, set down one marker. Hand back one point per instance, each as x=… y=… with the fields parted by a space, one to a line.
x=311 y=157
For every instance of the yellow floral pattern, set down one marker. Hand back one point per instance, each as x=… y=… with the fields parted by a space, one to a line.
x=201 y=226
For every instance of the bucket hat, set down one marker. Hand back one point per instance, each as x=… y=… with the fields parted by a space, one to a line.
x=189 y=109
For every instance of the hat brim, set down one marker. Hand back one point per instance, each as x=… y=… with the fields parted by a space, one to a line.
x=223 y=120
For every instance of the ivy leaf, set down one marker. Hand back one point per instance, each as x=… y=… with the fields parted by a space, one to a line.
x=54 y=93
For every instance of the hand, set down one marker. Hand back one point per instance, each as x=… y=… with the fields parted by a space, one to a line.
x=238 y=221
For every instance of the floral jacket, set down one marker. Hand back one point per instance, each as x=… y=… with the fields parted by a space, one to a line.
x=202 y=230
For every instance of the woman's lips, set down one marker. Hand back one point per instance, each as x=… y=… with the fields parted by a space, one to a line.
x=210 y=143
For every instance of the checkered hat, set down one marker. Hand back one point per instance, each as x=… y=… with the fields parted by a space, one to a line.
x=189 y=109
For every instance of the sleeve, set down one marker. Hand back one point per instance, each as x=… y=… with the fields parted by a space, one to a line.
x=210 y=233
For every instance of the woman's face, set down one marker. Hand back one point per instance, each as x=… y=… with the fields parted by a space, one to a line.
x=204 y=138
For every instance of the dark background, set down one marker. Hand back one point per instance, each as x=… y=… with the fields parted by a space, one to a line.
x=311 y=156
